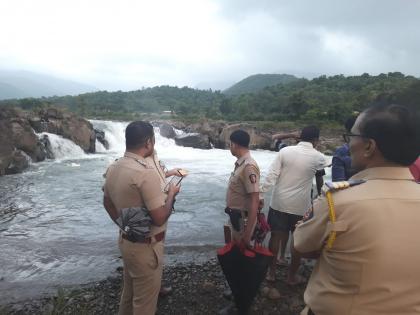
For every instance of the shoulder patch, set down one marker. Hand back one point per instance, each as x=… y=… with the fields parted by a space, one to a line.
x=334 y=186
x=253 y=178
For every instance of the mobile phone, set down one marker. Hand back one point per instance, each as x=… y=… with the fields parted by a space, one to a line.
x=175 y=180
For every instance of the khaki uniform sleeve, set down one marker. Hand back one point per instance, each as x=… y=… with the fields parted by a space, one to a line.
x=311 y=235
x=150 y=190
x=251 y=179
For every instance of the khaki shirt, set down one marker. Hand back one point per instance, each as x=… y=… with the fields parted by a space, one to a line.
x=154 y=162
x=373 y=266
x=245 y=179
x=131 y=182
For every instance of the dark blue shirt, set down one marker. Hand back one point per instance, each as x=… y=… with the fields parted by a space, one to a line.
x=341 y=164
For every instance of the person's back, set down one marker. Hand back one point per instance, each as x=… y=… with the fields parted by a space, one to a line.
x=298 y=165
x=374 y=259
x=366 y=231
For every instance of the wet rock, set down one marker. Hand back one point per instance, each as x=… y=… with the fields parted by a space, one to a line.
x=100 y=136
x=194 y=140
x=18 y=163
x=166 y=130
x=258 y=139
x=70 y=126
x=17 y=134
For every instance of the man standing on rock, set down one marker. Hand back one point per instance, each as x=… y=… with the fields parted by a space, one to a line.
x=291 y=174
x=366 y=231
x=133 y=186
x=242 y=196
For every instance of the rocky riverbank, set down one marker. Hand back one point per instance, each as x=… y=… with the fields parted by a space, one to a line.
x=197 y=289
x=215 y=134
x=20 y=144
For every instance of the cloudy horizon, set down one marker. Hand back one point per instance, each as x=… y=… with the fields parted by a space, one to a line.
x=127 y=45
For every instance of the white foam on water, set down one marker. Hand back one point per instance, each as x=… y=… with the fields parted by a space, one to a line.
x=64 y=149
x=99 y=147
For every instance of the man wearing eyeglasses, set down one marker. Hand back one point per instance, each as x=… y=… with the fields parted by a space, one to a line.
x=370 y=264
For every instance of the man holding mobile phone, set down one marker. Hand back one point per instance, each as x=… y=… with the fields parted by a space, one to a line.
x=131 y=183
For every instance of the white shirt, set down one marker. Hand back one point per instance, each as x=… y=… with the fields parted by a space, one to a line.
x=291 y=174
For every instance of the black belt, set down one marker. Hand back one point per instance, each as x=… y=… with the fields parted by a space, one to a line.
x=158 y=237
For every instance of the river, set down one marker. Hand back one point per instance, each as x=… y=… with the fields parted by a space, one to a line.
x=54 y=231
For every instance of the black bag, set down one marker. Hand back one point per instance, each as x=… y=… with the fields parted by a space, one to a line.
x=135 y=222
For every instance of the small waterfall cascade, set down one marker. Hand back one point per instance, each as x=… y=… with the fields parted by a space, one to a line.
x=63 y=149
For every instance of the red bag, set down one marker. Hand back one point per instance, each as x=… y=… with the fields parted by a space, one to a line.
x=261 y=228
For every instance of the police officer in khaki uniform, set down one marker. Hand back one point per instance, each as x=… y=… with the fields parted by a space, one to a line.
x=131 y=182
x=367 y=236
x=242 y=198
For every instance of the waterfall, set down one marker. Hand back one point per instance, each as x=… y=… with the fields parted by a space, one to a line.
x=63 y=149
x=115 y=135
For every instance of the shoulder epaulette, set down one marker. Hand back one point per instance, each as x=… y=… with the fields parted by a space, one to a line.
x=334 y=186
x=329 y=188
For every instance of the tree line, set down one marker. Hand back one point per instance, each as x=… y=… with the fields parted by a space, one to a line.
x=322 y=99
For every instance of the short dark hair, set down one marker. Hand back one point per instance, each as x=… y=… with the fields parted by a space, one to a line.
x=137 y=133
x=349 y=123
x=240 y=137
x=309 y=133
x=395 y=131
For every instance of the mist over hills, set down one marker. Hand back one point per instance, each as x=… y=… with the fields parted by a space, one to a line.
x=21 y=84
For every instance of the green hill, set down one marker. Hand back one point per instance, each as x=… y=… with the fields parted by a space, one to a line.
x=257 y=82
x=323 y=99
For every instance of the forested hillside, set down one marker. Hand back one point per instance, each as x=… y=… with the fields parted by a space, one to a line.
x=257 y=82
x=323 y=99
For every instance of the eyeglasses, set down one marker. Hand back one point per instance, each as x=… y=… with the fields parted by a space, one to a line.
x=347 y=136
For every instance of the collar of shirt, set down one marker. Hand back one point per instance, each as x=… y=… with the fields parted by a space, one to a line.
x=134 y=156
x=242 y=159
x=305 y=144
x=384 y=173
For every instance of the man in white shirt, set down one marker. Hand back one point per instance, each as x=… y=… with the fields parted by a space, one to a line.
x=291 y=174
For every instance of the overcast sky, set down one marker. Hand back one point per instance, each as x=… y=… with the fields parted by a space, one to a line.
x=127 y=44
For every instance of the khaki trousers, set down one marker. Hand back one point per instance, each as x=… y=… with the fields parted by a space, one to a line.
x=142 y=277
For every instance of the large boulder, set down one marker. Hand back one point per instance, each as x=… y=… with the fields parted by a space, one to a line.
x=258 y=139
x=194 y=140
x=19 y=143
x=71 y=127
x=166 y=130
x=212 y=129
x=25 y=139
x=18 y=163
